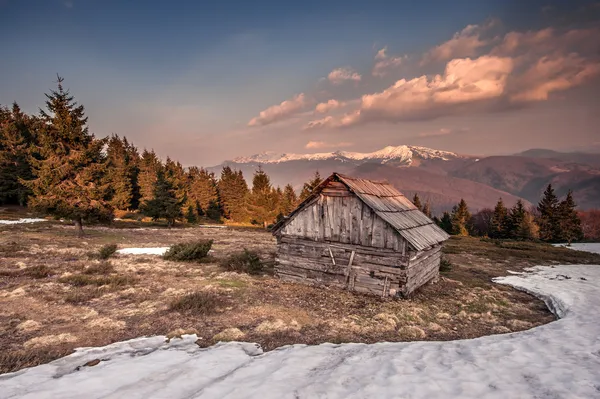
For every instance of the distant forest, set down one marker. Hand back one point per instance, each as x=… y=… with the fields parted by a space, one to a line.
x=53 y=164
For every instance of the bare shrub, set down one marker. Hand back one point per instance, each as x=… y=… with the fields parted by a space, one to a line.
x=243 y=262
x=202 y=302
x=100 y=268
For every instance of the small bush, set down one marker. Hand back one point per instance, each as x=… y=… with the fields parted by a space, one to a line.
x=79 y=296
x=202 y=302
x=445 y=265
x=244 y=262
x=107 y=251
x=189 y=251
x=100 y=268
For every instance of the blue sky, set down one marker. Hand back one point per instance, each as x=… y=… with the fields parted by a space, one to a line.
x=186 y=78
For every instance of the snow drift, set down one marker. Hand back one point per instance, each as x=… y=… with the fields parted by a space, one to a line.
x=558 y=360
x=22 y=221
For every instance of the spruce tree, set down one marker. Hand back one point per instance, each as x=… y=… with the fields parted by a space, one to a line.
x=310 y=186
x=233 y=193
x=69 y=177
x=263 y=204
x=190 y=215
x=549 y=217
x=202 y=188
x=164 y=203
x=460 y=218
x=427 y=209
x=289 y=201
x=17 y=144
x=149 y=165
x=499 y=222
x=527 y=229
x=516 y=217
x=175 y=173
x=446 y=223
x=120 y=174
x=417 y=202
x=213 y=212
x=570 y=223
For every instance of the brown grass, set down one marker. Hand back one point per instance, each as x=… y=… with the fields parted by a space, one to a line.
x=131 y=296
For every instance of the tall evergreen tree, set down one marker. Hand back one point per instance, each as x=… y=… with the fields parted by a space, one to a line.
x=69 y=179
x=202 y=189
x=149 y=165
x=527 y=229
x=120 y=174
x=309 y=186
x=570 y=223
x=417 y=202
x=499 y=222
x=175 y=173
x=516 y=217
x=17 y=141
x=446 y=223
x=460 y=217
x=263 y=199
x=549 y=217
x=427 y=209
x=164 y=203
x=233 y=192
x=289 y=201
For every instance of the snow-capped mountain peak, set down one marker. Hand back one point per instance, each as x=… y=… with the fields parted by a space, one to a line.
x=403 y=154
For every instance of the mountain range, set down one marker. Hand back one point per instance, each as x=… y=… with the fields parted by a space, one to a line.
x=443 y=177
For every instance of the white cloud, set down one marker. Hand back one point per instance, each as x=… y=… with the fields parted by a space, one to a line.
x=328 y=106
x=328 y=121
x=384 y=63
x=323 y=144
x=281 y=111
x=341 y=75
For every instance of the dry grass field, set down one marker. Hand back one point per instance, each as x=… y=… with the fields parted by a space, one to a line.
x=55 y=295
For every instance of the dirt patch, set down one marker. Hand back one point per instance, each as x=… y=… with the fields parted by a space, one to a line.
x=54 y=298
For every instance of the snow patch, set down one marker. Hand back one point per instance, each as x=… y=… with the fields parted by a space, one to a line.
x=22 y=221
x=143 y=251
x=593 y=247
x=558 y=360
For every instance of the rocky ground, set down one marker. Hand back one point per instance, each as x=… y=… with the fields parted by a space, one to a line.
x=55 y=296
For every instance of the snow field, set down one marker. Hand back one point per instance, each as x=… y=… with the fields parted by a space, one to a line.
x=557 y=360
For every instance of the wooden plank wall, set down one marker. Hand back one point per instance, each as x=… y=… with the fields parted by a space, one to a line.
x=375 y=271
x=342 y=217
x=423 y=267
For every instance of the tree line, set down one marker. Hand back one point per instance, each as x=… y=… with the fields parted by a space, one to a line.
x=551 y=221
x=53 y=164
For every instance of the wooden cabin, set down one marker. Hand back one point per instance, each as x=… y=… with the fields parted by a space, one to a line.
x=359 y=235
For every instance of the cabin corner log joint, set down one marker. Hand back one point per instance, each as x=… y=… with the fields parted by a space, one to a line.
x=359 y=235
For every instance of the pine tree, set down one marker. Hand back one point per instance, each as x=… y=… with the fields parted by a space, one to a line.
x=527 y=229
x=499 y=222
x=120 y=174
x=17 y=141
x=149 y=165
x=233 y=193
x=202 y=189
x=570 y=223
x=175 y=173
x=289 y=201
x=417 y=202
x=310 y=186
x=446 y=223
x=427 y=209
x=69 y=175
x=460 y=217
x=190 y=215
x=549 y=217
x=263 y=199
x=213 y=212
x=164 y=203
x=515 y=220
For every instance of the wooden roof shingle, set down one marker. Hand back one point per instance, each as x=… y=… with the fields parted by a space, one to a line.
x=390 y=205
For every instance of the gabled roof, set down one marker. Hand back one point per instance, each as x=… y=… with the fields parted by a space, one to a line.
x=389 y=204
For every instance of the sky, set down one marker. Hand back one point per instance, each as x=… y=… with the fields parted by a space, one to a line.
x=205 y=81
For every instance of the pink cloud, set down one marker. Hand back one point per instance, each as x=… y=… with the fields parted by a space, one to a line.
x=328 y=106
x=323 y=144
x=384 y=63
x=341 y=75
x=463 y=44
x=281 y=111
